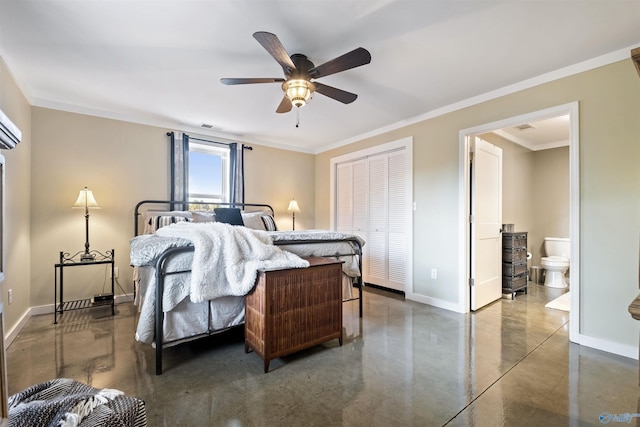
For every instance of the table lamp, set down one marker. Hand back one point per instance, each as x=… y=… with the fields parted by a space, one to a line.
x=293 y=208
x=86 y=200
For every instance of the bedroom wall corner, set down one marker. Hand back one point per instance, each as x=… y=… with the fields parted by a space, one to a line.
x=274 y=176
x=17 y=237
x=121 y=162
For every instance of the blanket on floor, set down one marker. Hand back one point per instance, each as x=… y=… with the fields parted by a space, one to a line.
x=229 y=257
x=63 y=402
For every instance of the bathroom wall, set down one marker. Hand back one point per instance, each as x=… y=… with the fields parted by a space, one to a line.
x=551 y=193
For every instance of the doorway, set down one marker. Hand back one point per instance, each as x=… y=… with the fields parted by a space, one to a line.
x=465 y=256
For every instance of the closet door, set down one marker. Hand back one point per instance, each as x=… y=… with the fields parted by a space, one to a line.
x=372 y=203
x=377 y=235
x=397 y=221
x=360 y=200
x=344 y=197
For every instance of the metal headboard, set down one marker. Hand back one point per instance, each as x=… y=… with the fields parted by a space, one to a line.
x=173 y=205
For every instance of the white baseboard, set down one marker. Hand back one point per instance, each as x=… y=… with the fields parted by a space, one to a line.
x=44 y=309
x=584 y=340
x=11 y=335
x=610 y=347
x=434 y=302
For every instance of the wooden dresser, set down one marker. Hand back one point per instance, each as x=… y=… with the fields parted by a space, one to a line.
x=293 y=309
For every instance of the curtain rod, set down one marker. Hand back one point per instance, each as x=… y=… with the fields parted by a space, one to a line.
x=245 y=147
x=219 y=143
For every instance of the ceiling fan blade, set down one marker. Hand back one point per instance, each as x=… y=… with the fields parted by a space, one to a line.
x=272 y=44
x=234 y=81
x=285 y=105
x=355 y=58
x=335 y=93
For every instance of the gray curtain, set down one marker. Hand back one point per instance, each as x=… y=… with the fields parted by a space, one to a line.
x=236 y=170
x=180 y=167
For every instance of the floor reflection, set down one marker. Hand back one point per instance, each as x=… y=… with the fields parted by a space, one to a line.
x=402 y=363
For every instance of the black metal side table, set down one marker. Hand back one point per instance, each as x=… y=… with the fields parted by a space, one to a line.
x=67 y=260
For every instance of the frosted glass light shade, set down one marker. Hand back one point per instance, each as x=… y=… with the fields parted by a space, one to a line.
x=298 y=91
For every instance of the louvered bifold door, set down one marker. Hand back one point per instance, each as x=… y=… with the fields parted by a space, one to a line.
x=372 y=203
x=396 y=220
x=377 y=235
x=344 y=198
x=360 y=189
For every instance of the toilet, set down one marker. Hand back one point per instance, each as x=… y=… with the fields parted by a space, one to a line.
x=556 y=262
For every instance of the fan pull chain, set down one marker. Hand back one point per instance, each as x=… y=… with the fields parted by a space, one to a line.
x=297 y=116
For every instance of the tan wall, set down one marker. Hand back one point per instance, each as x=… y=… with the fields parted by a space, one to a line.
x=123 y=163
x=550 y=195
x=609 y=180
x=274 y=176
x=120 y=162
x=17 y=203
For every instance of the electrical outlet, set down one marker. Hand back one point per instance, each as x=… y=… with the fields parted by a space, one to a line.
x=10 y=296
x=434 y=273
x=116 y=271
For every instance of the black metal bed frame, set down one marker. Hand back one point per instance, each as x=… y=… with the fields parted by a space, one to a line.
x=166 y=255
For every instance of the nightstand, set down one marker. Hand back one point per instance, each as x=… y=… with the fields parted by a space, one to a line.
x=67 y=261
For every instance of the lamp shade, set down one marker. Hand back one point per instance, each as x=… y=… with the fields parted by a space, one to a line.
x=86 y=200
x=293 y=206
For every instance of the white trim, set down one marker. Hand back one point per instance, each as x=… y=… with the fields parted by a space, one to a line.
x=3 y=230
x=45 y=309
x=464 y=247
x=403 y=143
x=580 y=67
x=609 y=346
x=150 y=120
x=12 y=333
x=436 y=302
x=574 y=220
x=574 y=216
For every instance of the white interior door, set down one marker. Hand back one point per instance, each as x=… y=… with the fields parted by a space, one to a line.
x=486 y=222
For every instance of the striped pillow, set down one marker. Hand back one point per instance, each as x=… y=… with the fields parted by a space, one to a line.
x=269 y=223
x=156 y=222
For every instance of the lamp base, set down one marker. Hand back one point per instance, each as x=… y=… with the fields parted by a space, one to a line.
x=87 y=257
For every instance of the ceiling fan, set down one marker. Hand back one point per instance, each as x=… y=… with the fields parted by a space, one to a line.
x=299 y=72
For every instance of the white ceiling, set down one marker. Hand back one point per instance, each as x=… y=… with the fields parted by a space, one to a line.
x=160 y=62
x=539 y=135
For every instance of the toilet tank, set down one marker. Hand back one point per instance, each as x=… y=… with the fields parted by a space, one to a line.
x=557 y=246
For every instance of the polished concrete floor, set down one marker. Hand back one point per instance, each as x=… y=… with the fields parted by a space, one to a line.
x=403 y=364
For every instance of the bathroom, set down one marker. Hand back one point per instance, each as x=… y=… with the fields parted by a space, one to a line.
x=535 y=184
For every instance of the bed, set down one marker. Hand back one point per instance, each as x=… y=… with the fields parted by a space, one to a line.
x=167 y=261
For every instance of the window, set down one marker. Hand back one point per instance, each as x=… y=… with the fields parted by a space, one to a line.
x=208 y=173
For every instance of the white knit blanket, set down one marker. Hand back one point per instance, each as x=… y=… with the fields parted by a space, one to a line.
x=226 y=258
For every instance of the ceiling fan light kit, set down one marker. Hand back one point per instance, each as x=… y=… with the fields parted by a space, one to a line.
x=299 y=70
x=298 y=91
